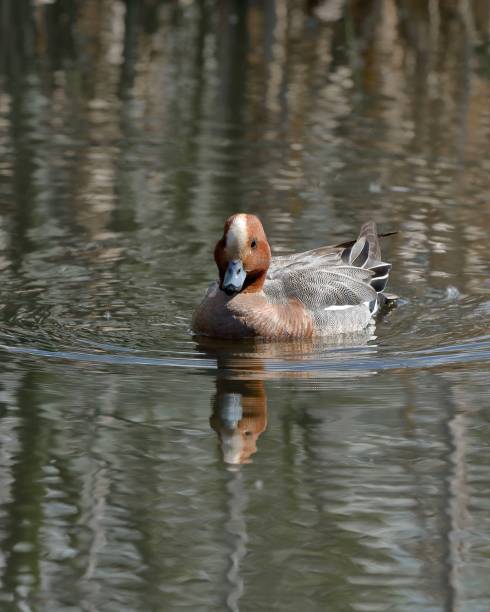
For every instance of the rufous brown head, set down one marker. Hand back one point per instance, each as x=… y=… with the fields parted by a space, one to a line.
x=243 y=255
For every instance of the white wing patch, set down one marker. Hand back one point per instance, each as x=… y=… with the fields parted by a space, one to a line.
x=371 y=306
x=340 y=307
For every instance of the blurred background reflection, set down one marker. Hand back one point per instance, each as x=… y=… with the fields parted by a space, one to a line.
x=347 y=474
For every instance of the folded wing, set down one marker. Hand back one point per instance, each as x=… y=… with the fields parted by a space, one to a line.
x=333 y=277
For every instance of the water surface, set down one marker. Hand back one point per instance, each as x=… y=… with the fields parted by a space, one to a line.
x=144 y=469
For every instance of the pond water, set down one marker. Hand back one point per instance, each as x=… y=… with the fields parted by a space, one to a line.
x=142 y=468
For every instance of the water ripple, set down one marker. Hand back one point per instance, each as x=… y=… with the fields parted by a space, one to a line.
x=259 y=363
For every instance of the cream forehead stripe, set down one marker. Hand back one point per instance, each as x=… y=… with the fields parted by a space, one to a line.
x=237 y=235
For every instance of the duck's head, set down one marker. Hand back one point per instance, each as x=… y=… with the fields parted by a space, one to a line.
x=243 y=255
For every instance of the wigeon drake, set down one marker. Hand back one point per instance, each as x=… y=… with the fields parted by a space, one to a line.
x=329 y=290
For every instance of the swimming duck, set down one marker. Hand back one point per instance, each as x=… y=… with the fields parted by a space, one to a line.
x=328 y=290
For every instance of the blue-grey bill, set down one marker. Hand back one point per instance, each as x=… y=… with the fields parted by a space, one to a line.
x=234 y=277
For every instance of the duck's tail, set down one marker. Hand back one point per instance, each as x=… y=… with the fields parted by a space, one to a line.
x=365 y=252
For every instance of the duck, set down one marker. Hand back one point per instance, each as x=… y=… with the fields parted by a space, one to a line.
x=325 y=291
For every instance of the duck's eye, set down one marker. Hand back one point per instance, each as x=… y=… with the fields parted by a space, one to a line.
x=253 y=244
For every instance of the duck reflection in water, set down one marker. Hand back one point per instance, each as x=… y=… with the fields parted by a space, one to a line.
x=239 y=417
x=239 y=407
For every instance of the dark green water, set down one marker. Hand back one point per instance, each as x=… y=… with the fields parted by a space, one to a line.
x=358 y=478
